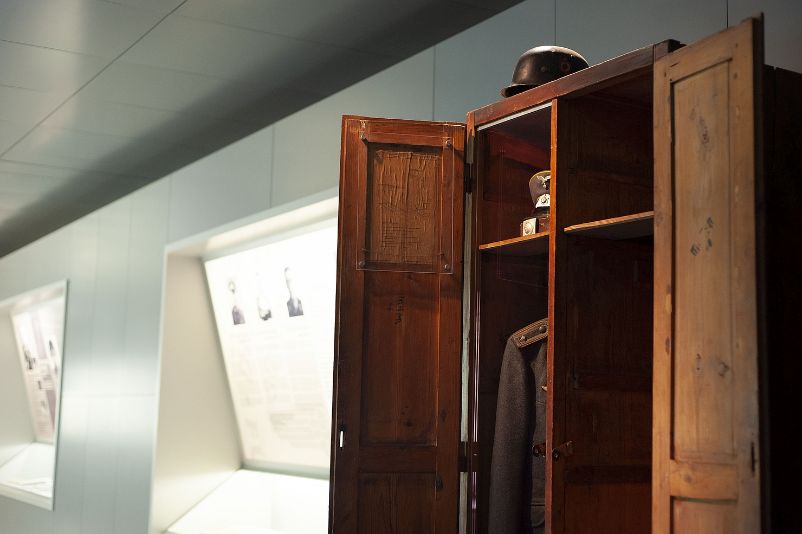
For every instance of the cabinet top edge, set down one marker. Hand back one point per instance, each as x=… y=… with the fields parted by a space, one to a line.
x=631 y=64
x=346 y=118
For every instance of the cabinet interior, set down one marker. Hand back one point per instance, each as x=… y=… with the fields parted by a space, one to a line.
x=593 y=282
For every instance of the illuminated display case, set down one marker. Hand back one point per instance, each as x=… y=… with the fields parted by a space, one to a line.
x=274 y=311
x=31 y=342
x=246 y=366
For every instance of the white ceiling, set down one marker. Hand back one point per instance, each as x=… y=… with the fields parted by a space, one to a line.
x=99 y=97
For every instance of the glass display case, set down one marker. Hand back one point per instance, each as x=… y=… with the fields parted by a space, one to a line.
x=31 y=345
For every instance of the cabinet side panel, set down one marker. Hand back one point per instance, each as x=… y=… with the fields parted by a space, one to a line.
x=608 y=287
x=605 y=158
x=507 y=164
x=601 y=301
x=780 y=246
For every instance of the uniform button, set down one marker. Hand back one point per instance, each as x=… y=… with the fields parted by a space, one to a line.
x=522 y=338
x=542 y=328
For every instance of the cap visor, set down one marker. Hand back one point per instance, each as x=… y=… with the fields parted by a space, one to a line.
x=515 y=88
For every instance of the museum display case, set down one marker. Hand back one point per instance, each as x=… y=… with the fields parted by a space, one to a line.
x=31 y=360
x=246 y=362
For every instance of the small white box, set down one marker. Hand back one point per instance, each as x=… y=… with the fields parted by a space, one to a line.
x=529 y=226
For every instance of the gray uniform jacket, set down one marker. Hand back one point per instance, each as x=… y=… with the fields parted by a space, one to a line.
x=517 y=478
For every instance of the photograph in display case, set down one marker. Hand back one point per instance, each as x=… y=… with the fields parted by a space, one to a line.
x=38 y=331
x=274 y=309
x=31 y=345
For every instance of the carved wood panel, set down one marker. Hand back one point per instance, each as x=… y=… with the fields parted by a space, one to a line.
x=403 y=207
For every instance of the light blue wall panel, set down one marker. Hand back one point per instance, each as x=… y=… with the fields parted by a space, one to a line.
x=136 y=417
x=783 y=28
x=44 y=269
x=101 y=466
x=12 y=275
x=82 y=276
x=18 y=518
x=226 y=185
x=108 y=328
x=602 y=30
x=143 y=284
x=71 y=463
x=473 y=66
x=307 y=144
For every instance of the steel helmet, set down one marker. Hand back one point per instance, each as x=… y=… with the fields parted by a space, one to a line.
x=543 y=64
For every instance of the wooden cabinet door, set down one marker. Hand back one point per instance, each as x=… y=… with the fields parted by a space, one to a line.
x=395 y=432
x=705 y=448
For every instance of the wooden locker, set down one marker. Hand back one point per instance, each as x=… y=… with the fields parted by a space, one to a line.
x=652 y=276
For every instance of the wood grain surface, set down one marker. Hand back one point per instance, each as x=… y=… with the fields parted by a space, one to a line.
x=706 y=448
x=395 y=437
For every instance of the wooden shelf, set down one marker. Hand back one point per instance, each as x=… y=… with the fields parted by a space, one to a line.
x=529 y=245
x=626 y=227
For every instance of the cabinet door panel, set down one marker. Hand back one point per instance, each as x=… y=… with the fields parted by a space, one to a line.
x=398 y=335
x=705 y=446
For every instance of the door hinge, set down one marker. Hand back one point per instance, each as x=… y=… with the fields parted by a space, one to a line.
x=469 y=159
x=563 y=451
x=469 y=144
x=468 y=186
x=463 y=457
